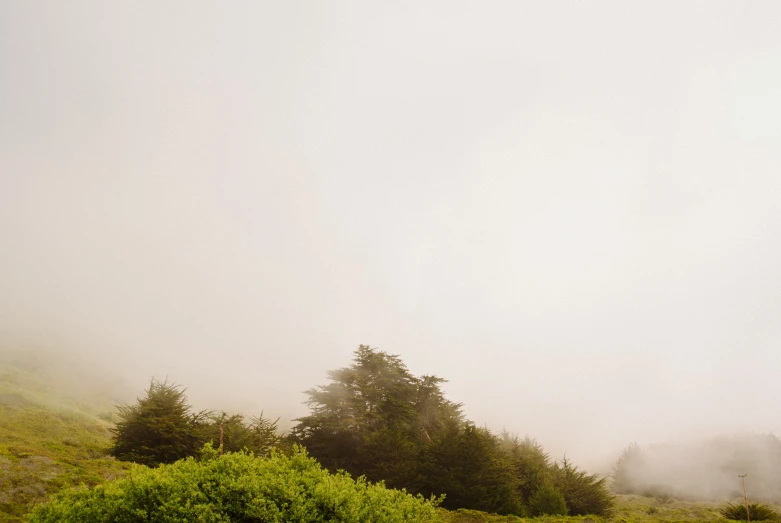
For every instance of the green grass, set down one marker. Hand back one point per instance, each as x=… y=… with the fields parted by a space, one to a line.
x=628 y=509
x=49 y=439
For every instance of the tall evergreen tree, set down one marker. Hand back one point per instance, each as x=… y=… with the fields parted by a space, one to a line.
x=375 y=407
x=160 y=428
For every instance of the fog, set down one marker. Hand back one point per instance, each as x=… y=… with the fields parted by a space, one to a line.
x=567 y=209
x=712 y=468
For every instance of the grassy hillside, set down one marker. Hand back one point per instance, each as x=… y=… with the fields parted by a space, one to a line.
x=53 y=433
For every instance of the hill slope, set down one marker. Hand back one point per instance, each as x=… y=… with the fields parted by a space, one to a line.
x=53 y=434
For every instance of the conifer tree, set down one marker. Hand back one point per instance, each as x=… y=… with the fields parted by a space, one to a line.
x=468 y=465
x=159 y=428
x=373 y=408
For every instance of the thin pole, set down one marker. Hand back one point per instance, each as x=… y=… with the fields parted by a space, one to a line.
x=221 y=437
x=745 y=497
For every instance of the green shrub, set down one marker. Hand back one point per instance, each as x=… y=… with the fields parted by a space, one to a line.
x=758 y=512
x=547 y=501
x=237 y=487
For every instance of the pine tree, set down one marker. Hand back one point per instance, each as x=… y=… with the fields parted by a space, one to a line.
x=159 y=428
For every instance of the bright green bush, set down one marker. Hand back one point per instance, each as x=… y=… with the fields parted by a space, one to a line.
x=236 y=487
x=758 y=511
x=547 y=501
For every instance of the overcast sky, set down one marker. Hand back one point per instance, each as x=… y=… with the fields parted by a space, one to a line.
x=570 y=210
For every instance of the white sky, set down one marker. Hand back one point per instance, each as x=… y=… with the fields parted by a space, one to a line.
x=570 y=210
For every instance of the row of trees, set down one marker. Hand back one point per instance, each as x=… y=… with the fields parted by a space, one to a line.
x=162 y=428
x=376 y=419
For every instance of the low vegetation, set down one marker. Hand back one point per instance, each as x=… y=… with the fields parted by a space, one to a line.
x=237 y=487
x=754 y=512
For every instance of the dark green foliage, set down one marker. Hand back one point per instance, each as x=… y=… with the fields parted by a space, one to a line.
x=468 y=465
x=390 y=455
x=374 y=408
x=236 y=487
x=376 y=419
x=584 y=493
x=758 y=512
x=547 y=501
x=159 y=428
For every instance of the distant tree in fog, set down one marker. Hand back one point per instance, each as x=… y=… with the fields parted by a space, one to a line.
x=258 y=435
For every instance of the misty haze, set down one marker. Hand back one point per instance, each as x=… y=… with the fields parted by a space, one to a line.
x=553 y=224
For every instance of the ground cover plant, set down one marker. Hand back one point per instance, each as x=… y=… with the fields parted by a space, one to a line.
x=757 y=512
